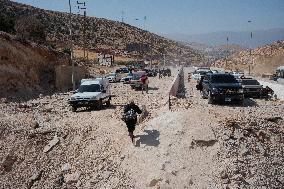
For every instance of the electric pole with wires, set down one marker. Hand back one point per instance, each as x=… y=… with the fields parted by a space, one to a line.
x=71 y=45
x=82 y=6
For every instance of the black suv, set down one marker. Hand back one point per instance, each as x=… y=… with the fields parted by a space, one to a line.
x=221 y=87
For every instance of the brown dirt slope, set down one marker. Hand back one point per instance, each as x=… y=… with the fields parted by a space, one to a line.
x=25 y=67
x=263 y=60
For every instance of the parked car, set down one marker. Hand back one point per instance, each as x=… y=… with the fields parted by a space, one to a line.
x=151 y=72
x=135 y=82
x=91 y=93
x=200 y=72
x=127 y=79
x=237 y=75
x=122 y=70
x=113 y=77
x=165 y=72
x=222 y=87
x=252 y=88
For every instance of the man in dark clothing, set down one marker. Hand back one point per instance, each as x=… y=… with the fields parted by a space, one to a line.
x=131 y=122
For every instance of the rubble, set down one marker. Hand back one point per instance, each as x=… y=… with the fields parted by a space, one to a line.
x=51 y=144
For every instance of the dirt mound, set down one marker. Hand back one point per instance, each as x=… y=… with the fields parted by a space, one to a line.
x=26 y=67
x=263 y=60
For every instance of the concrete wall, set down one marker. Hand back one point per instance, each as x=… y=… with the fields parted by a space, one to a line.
x=63 y=77
x=177 y=83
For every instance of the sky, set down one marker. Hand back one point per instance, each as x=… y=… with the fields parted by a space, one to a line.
x=181 y=16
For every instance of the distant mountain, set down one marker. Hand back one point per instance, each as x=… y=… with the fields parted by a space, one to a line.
x=259 y=38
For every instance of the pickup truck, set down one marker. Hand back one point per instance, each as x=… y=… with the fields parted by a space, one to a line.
x=91 y=93
x=222 y=87
x=252 y=88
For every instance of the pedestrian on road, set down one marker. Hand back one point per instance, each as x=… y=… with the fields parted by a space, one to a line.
x=145 y=81
x=130 y=117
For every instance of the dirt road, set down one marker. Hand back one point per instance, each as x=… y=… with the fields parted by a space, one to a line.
x=195 y=145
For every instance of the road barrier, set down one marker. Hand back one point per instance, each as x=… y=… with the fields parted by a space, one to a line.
x=177 y=86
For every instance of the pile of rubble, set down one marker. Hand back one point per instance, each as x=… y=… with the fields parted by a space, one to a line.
x=252 y=150
x=44 y=144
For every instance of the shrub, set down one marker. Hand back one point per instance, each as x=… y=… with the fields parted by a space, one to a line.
x=7 y=24
x=31 y=28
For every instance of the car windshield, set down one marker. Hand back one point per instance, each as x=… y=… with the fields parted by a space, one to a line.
x=250 y=82
x=203 y=72
x=223 y=79
x=89 y=88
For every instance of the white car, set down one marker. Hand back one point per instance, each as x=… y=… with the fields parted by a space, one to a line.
x=126 y=79
x=200 y=72
x=113 y=77
x=91 y=93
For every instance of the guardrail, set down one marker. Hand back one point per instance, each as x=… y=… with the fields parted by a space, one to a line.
x=177 y=86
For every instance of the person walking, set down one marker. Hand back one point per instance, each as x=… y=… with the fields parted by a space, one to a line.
x=130 y=117
x=145 y=81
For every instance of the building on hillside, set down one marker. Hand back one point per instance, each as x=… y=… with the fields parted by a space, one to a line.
x=105 y=59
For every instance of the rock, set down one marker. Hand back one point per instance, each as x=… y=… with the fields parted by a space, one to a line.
x=154 y=182
x=36 y=176
x=72 y=178
x=48 y=109
x=51 y=144
x=34 y=124
x=66 y=167
x=106 y=174
x=4 y=100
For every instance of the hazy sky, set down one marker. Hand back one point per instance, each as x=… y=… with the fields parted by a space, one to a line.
x=182 y=16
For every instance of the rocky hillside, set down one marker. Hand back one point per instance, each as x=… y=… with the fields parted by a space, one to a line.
x=102 y=34
x=26 y=67
x=263 y=60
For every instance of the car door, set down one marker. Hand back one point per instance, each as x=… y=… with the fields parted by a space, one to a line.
x=206 y=85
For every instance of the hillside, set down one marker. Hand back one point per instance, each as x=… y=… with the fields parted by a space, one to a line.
x=26 y=69
x=263 y=60
x=102 y=34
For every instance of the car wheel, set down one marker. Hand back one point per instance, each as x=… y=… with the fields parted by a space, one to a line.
x=203 y=94
x=74 y=108
x=100 y=104
x=210 y=100
x=108 y=103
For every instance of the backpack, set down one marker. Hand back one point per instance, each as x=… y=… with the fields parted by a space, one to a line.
x=129 y=115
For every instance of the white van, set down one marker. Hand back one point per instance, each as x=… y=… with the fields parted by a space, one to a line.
x=92 y=93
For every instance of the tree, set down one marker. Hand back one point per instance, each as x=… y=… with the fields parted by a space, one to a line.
x=30 y=28
x=7 y=24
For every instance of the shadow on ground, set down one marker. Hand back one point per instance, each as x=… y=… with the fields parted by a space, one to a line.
x=149 y=139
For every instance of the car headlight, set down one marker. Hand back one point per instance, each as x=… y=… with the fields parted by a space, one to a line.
x=241 y=90
x=215 y=90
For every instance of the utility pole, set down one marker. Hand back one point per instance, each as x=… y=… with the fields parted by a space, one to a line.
x=250 y=64
x=71 y=45
x=82 y=6
x=227 y=51
x=164 y=55
x=122 y=16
